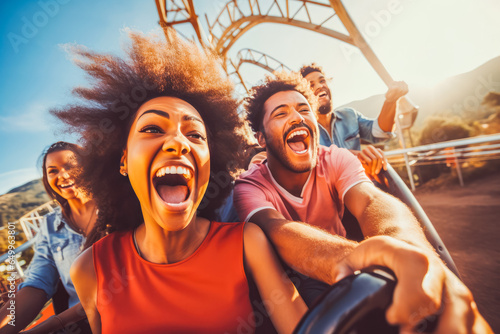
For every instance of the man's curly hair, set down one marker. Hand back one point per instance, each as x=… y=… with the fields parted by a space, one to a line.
x=307 y=69
x=281 y=81
x=106 y=109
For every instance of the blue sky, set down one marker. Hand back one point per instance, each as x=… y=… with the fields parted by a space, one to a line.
x=420 y=41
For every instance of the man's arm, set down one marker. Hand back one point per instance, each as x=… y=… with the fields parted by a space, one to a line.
x=379 y=213
x=388 y=112
x=425 y=286
x=305 y=248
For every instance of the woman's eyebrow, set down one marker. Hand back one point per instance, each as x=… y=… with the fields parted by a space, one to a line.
x=166 y=115
x=192 y=118
x=157 y=112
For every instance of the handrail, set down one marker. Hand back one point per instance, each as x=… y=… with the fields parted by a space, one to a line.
x=19 y=249
x=446 y=144
x=451 y=152
x=31 y=221
x=398 y=188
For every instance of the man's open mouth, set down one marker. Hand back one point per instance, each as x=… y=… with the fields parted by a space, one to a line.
x=173 y=183
x=323 y=94
x=298 y=140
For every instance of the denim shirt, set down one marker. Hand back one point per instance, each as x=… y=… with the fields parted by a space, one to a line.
x=57 y=246
x=349 y=127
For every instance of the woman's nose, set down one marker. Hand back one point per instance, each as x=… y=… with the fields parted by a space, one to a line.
x=177 y=145
x=64 y=174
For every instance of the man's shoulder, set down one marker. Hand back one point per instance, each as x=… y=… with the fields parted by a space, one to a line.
x=346 y=111
x=327 y=151
x=332 y=156
x=256 y=172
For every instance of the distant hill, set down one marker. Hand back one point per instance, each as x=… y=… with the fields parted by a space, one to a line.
x=460 y=95
x=21 y=200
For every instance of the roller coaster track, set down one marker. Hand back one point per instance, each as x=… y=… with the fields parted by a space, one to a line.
x=256 y=58
x=260 y=59
x=174 y=12
x=238 y=17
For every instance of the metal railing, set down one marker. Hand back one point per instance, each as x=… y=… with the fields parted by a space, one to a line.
x=30 y=224
x=31 y=221
x=452 y=153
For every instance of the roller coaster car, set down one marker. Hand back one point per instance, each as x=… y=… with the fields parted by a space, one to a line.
x=357 y=304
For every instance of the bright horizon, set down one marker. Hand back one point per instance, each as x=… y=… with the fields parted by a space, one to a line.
x=421 y=42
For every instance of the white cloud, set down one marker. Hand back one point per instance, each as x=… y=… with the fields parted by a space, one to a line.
x=33 y=119
x=16 y=178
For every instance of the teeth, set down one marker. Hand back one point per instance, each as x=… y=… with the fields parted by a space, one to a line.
x=296 y=133
x=174 y=170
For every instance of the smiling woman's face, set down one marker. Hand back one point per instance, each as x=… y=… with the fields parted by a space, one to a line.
x=58 y=166
x=168 y=161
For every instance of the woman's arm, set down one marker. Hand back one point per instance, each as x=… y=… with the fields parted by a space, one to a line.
x=36 y=289
x=27 y=303
x=283 y=303
x=60 y=321
x=84 y=278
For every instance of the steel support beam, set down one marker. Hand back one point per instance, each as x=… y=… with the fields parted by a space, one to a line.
x=360 y=42
x=187 y=14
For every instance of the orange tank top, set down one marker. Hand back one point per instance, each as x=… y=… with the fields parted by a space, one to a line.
x=205 y=293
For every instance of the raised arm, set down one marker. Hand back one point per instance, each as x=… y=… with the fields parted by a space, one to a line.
x=388 y=112
x=283 y=303
x=84 y=278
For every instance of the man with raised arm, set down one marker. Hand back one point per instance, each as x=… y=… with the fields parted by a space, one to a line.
x=346 y=127
x=297 y=197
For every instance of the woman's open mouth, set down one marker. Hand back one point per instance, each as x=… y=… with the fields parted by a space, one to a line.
x=173 y=184
x=66 y=185
x=298 y=140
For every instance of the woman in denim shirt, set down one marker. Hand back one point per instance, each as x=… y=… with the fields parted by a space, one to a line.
x=59 y=242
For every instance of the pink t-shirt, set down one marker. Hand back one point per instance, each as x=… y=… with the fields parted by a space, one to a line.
x=322 y=199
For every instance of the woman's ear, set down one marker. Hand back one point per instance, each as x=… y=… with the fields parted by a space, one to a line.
x=123 y=163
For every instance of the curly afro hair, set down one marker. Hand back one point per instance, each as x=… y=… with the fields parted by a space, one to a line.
x=306 y=69
x=106 y=109
x=281 y=81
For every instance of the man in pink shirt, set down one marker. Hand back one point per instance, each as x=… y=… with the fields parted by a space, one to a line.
x=300 y=191
x=320 y=202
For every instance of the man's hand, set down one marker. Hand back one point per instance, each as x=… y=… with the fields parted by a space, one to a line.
x=396 y=90
x=373 y=160
x=425 y=287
